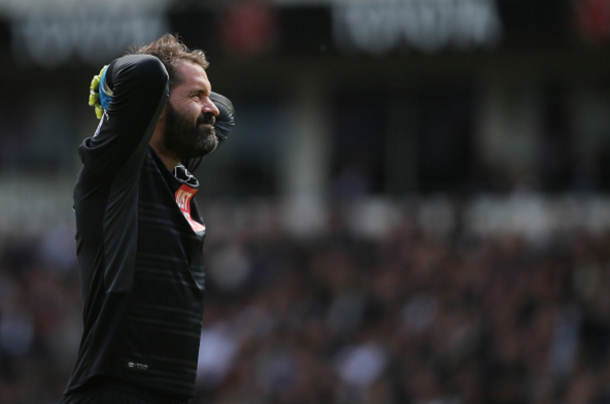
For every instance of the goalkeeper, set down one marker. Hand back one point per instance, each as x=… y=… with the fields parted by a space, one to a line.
x=139 y=231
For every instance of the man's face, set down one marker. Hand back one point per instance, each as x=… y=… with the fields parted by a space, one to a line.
x=190 y=114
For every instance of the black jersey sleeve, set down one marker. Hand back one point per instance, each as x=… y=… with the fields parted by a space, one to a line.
x=140 y=89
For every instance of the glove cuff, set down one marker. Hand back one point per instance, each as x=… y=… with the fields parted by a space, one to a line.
x=105 y=92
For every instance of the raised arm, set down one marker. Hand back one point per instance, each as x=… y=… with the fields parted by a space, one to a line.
x=137 y=87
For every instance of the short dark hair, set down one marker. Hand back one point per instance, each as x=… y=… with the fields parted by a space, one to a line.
x=171 y=51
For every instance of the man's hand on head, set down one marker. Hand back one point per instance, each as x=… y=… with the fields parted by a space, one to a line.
x=226 y=119
x=99 y=93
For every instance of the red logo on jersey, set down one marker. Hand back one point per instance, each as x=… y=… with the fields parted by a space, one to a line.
x=184 y=194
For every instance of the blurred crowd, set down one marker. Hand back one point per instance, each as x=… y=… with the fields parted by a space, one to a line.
x=334 y=316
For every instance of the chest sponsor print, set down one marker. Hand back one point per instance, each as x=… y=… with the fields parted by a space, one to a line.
x=184 y=194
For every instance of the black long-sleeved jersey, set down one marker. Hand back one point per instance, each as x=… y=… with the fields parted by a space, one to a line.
x=139 y=244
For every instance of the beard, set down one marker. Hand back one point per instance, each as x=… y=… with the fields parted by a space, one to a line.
x=187 y=139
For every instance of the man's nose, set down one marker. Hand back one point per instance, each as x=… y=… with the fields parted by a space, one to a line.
x=210 y=108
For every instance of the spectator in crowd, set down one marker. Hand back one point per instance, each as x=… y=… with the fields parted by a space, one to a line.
x=406 y=317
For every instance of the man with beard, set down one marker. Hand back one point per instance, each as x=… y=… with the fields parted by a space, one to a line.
x=139 y=230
